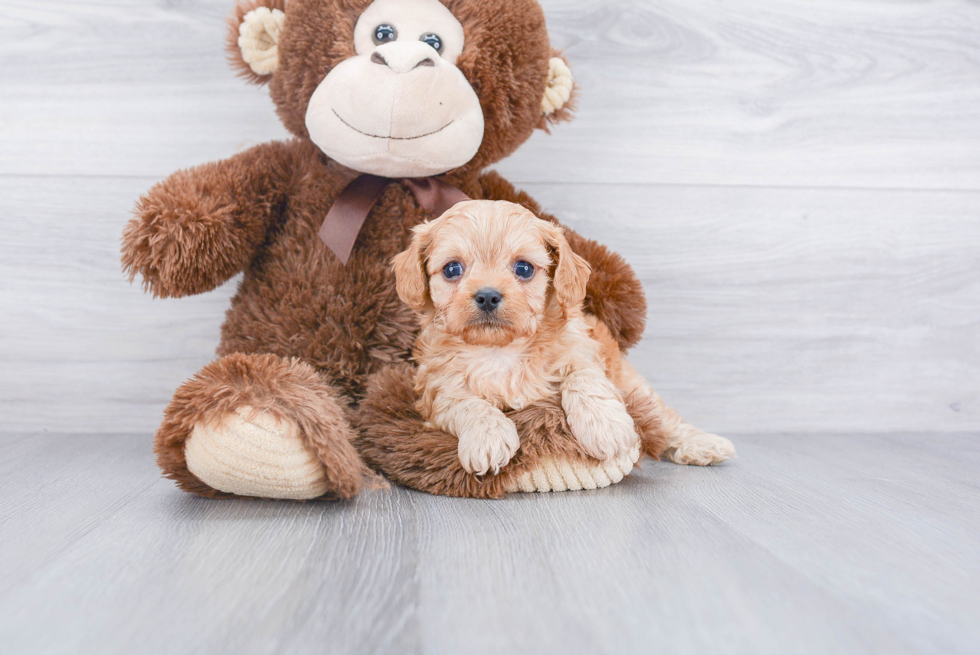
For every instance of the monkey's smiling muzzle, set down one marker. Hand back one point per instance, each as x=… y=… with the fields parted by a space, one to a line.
x=391 y=136
x=401 y=107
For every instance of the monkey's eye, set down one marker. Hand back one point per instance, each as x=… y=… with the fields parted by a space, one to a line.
x=524 y=270
x=433 y=40
x=452 y=270
x=385 y=34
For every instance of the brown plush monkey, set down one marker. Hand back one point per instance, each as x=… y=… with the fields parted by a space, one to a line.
x=399 y=89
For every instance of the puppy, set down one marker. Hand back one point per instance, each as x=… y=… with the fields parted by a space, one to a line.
x=500 y=296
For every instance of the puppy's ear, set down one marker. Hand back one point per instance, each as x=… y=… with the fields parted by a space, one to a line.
x=411 y=279
x=571 y=271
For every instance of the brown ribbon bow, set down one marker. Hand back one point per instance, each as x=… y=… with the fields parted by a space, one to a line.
x=346 y=218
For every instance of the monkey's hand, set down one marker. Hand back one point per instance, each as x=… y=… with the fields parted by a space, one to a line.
x=201 y=226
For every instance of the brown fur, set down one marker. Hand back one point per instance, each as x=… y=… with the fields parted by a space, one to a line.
x=199 y=227
x=259 y=212
x=285 y=388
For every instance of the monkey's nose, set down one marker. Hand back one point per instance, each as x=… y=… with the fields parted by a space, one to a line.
x=488 y=299
x=403 y=57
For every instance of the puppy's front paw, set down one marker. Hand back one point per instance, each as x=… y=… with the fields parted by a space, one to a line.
x=488 y=444
x=697 y=448
x=602 y=426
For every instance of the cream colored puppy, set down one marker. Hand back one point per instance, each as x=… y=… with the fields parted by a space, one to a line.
x=500 y=295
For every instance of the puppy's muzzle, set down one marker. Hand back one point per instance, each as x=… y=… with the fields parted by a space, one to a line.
x=488 y=299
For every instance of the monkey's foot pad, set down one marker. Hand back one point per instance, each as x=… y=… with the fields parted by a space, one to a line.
x=250 y=453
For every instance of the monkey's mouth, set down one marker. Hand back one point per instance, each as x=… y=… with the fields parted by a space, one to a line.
x=393 y=138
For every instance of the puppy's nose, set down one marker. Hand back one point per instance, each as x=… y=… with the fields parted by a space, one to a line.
x=487 y=299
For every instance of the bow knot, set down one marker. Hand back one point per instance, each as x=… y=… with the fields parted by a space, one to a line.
x=351 y=208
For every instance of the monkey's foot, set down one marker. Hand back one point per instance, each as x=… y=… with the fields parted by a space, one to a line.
x=252 y=453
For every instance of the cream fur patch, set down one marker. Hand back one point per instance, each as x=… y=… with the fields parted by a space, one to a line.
x=560 y=83
x=249 y=453
x=693 y=447
x=258 y=39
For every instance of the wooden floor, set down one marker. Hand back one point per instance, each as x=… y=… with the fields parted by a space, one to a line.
x=849 y=544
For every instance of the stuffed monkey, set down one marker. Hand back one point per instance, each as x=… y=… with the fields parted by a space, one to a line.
x=396 y=108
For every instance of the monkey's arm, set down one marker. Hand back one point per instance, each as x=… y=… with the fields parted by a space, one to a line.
x=199 y=227
x=614 y=295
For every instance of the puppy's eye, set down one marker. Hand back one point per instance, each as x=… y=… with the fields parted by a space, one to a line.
x=524 y=270
x=385 y=34
x=433 y=40
x=452 y=270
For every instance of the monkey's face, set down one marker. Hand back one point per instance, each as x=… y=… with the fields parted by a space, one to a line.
x=405 y=88
x=400 y=107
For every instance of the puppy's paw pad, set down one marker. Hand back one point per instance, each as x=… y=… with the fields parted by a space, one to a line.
x=701 y=449
x=488 y=446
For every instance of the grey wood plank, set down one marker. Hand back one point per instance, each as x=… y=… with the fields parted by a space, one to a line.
x=770 y=309
x=809 y=544
x=119 y=561
x=848 y=94
x=887 y=502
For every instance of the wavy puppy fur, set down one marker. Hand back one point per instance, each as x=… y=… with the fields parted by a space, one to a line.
x=499 y=293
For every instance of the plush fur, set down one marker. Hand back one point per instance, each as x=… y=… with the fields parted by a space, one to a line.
x=305 y=332
x=286 y=388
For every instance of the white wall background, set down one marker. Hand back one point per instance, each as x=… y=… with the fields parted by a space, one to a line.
x=797 y=183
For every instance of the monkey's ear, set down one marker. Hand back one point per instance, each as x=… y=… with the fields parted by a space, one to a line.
x=411 y=278
x=559 y=96
x=253 y=38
